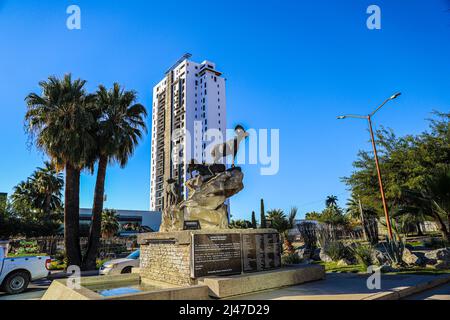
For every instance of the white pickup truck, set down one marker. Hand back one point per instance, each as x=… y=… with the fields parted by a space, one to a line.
x=16 y=273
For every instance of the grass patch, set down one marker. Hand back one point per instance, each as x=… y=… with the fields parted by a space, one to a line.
x=334 y=267
x=415 y=243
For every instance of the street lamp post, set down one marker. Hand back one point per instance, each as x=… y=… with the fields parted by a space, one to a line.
x=380 y=180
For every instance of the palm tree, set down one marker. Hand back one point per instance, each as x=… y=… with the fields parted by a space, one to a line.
x=39 y=197
x=48 y=183
x=331 y=201
x=354 y=209
x=120 y=125
x=110 y=223
x=283 y=224
x=22 y=196
x=60 y=120
x=313 y=215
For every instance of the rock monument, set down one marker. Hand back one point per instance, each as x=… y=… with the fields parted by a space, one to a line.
x=206 y=200
x=180 y=254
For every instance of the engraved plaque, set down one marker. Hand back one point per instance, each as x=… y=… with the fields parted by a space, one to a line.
x=216 y=254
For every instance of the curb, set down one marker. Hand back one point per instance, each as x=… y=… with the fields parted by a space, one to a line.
x=62 y=274
x=402 y=292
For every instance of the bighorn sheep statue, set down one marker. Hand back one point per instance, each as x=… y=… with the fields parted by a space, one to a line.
x=230 y=147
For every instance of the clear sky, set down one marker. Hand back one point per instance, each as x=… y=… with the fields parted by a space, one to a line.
x=291 y=65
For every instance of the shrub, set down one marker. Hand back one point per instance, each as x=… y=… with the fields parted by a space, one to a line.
x=394 y=250
x=363 y=254
x=336 y=250
x=291 y=258
x=27 y=247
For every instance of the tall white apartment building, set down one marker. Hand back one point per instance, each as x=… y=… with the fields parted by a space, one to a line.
x=188 y=101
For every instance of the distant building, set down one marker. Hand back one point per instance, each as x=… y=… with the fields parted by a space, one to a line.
x=131 y=221
x=189 y=99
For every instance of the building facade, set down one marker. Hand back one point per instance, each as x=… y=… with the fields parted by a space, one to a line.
x=130 y=220
x=187 y=102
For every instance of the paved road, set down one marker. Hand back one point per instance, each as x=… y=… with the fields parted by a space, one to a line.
x=35 y=291
x=438 y=293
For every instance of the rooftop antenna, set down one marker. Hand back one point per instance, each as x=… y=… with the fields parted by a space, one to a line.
x=183 y=57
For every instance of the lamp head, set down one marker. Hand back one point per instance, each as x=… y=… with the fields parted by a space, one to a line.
x=341 y=117
x=395 y=95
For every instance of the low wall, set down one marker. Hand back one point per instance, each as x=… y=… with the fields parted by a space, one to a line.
x=168 y=262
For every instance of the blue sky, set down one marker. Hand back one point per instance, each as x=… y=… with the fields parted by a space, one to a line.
x=292 y=65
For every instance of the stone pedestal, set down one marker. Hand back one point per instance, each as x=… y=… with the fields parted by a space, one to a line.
x=183 y=257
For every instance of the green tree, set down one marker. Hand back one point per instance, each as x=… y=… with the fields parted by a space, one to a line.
x=110 y=223
x=60 y=120
x=407 y=163
x=432 y=201
x=254 y=223
x=120 y=123
x=263 y=223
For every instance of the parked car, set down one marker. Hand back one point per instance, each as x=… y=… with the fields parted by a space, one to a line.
x=120 y=266
x=16 y=273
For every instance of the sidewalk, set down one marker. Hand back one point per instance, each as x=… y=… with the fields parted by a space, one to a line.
x=344 y=286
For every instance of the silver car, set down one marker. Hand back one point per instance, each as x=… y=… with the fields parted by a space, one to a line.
x=120 y=266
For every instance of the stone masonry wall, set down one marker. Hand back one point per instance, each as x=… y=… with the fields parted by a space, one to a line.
x=167 y=262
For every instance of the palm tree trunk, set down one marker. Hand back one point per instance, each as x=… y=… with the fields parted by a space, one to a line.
x=89 y=260
x=47 y=208
x=419 y=229
x=71 y=216
x=442 y=226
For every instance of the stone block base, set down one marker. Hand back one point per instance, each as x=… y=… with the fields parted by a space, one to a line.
x=169 y=257
x=223 y=287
